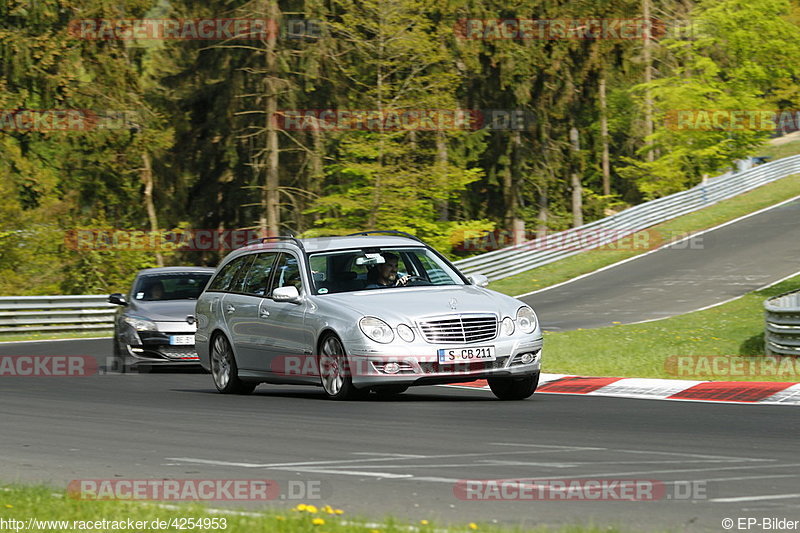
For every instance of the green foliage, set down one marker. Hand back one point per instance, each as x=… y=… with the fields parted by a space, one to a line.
x=197 y=111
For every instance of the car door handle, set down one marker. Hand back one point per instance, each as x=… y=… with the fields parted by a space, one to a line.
x=230 y=308
x=264 y=313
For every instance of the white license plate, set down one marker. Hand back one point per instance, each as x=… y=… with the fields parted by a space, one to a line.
x=181 y=340
x=466 y=355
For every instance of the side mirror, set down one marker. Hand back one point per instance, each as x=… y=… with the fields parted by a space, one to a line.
x=288 y=293
x=478 y=279
x=117 y=298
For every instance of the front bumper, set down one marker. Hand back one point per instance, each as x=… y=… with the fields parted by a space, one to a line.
x=419 y=363
x=156 y=348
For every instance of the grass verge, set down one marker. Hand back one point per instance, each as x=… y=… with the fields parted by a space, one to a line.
x=734 y=329
x=8 y=337
x=650 y=238
x=24 y=503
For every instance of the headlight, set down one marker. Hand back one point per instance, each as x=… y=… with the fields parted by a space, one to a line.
x=140 y=324
x=507 y=326
x=376 y=329
x=526 y=319
x=405 y=333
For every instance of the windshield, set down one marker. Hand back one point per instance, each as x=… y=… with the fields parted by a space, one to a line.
x=379 y=268
x=177 y=286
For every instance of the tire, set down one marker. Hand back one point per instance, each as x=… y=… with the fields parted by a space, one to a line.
x=224 y=371
x=514 y=388
x=334 y=371
x=387 y=392
x=118 y=360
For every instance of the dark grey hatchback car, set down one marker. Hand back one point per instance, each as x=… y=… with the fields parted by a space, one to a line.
x=150 y=327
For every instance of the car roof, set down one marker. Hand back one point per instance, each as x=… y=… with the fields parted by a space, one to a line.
x=174 y=270
x=329 y=244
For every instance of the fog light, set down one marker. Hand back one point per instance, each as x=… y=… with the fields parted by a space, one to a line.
x=391 y=368
x=526 y=358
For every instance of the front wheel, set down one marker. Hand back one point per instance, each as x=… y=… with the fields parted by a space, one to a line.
x=517 y=388
x=334 y=371
x=224 y=369
x=118 y=360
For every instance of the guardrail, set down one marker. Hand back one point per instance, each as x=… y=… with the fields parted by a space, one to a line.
x=20 y=314
x=516 y=259
x=782 y=331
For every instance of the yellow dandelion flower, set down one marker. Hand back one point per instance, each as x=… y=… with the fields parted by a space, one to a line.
x=301 y=507
x=279 y=518
x=9 y=506
x=473 y=525
x=423 y=522
x=318 y=522
x=311 y=509
x=338 y=511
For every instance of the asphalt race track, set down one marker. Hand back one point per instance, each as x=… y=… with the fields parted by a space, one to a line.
x=403 y=457
x=705 y=270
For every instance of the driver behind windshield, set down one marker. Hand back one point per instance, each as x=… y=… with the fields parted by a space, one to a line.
x=385 y=274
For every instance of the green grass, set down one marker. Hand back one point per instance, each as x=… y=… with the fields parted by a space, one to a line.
x=21 y=503
x=649 y=239
x=7 y=337
x=778 y=151
x=734 y=329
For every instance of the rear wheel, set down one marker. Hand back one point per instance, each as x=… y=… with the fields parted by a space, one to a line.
x=517 y=388
x=224 y=369
x=334 y=371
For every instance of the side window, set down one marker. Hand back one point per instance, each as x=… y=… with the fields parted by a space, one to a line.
x=222 y=281
x=237 y=285
x=287 y=272
x=255 y=282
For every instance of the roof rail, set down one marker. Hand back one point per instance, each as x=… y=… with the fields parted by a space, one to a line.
x=390 y=231
x=292 y=238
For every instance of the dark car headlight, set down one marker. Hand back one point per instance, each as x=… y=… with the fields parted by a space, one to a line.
x=140 y=324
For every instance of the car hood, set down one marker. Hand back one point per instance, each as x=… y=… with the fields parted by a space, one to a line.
x=166 y=311
x=398 y=305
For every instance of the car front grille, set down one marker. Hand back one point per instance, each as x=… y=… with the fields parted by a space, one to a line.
x=436 y=368
x=183 y=353
x=460 y=329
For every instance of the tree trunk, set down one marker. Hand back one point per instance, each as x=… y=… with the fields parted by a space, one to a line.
x=270 y=200
x=604 y=134
x=544 y=212
x=575 y=181
x=147 y=180
x=441 y=165
x=648 y=77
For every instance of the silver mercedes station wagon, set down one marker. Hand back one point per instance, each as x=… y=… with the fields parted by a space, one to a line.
x=371 y=312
